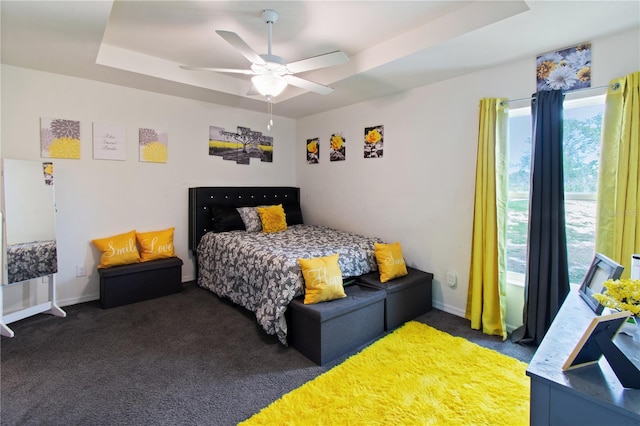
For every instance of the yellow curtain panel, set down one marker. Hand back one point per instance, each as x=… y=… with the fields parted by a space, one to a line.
x=618 y=220
x=486 y=299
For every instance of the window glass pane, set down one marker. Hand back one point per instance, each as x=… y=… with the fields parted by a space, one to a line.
x=581 y=149
x=519 y=176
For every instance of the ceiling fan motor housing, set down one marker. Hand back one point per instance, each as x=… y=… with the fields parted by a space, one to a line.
x=273 y=65
x=270 y=16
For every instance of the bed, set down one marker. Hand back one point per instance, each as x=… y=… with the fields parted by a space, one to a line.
x=257 y=270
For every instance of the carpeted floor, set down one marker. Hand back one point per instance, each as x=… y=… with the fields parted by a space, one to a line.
x=189 y=358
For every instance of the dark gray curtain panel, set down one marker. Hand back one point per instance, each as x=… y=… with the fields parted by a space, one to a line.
x=547 y=277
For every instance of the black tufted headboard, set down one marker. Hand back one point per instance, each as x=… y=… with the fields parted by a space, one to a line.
x=202 y=201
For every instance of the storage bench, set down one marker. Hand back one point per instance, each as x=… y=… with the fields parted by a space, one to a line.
x=124 y=284
x=324 y=331
x=407 y=297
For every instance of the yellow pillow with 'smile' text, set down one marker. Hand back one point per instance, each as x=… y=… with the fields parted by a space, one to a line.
x=155 y=244
x=390 y=261
x=322 y=279
x=119 y=249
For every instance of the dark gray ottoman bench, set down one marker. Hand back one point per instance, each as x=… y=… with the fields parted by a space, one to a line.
x=124 y=284
x=324 y=331
x=407 y=297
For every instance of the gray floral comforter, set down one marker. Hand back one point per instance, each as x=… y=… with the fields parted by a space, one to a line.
x=260 y=271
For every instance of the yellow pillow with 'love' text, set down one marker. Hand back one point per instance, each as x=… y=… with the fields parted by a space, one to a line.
x=155 y=244
x=119 y=249
x=390 y=261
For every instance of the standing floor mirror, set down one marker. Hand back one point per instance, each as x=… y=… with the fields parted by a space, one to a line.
x=29 y=240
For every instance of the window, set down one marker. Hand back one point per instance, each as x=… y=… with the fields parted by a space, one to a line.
x=581 y=134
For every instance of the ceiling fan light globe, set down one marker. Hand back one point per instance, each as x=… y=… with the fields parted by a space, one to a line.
x=269 y=85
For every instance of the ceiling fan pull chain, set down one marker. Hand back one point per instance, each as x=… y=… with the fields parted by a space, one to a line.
x=269 y=112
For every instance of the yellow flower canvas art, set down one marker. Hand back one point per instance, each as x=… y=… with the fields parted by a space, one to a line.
x=153 y=145
x=373 y=141
x=313 y=151
x=47 y=169
x=337 y=147
x=59 y=138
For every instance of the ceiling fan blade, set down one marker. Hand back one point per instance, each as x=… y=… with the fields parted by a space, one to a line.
x=308 y=85
x=239 y=44
x=229 y=70
x=321 y=61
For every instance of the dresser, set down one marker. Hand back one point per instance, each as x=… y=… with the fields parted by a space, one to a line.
x=589 y=395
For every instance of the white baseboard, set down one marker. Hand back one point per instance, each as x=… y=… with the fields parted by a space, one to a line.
x=449 y=309
x=76 y=300
x=96 y=296
x=459 y=312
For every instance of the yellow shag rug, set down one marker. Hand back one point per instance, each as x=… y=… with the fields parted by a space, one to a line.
x=416 y=375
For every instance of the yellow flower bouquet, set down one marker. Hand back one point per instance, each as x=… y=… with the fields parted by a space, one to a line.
x=622 y=295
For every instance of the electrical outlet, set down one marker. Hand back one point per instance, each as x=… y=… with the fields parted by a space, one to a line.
x=450 y=279
x=80 y=272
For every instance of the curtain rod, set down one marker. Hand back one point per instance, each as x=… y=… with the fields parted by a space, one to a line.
x=614 y=86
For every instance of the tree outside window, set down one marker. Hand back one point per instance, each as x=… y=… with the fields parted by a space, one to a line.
x=581 y=133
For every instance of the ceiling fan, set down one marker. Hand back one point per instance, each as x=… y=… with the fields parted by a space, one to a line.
x=272 y=73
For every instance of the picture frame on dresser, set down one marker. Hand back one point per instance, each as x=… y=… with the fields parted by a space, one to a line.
x=597 y=341
x=601 y=269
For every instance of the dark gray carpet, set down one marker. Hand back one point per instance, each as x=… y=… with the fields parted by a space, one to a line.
x=189 y=358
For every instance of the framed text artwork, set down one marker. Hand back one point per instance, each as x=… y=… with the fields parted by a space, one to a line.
x=109 y=142
x=153 y=145
x=59 y=138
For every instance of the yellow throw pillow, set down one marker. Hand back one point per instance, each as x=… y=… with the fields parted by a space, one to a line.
x=322 y=279
x=118 y=250
x=390 y=261
x=155 y=244
x=273 y=218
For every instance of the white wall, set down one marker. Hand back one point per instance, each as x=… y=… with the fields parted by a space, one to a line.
x=421 y=192
x=98 y=198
